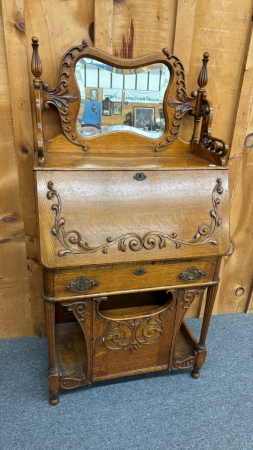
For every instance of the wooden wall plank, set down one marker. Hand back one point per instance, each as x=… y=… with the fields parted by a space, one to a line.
x=58 y=25
x=103 y=25
x=141 y=27
x=184 y=31
x=221 y=29
x=244 y=99
x=15 y=318
x=15 y=42
x=237 y=270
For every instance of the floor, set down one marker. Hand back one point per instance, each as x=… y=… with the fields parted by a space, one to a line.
x=153 y=411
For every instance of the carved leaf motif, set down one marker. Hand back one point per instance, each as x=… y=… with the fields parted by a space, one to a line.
x=59 y=96
x=73 y=243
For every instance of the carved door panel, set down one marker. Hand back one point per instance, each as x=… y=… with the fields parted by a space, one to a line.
x=132 y=342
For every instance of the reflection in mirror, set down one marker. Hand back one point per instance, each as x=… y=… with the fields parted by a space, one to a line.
x=114 y=99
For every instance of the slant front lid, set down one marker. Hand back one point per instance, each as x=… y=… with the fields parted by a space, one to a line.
x=98 y=217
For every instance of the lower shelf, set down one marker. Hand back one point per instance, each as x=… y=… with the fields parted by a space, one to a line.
x=71 y=361
x=70 y=351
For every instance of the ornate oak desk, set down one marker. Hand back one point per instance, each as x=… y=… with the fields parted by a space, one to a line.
x=132 y=221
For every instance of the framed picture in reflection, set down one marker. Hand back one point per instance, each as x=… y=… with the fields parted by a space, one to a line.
x=144 y=117
x=93 y=95
x=117 y=108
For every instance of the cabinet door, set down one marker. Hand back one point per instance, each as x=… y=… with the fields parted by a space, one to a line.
x=133 y=333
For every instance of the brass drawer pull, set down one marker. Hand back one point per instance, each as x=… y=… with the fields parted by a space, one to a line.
x=192 y=274
x=82 y=284
x=139 y=272
x=140 y=176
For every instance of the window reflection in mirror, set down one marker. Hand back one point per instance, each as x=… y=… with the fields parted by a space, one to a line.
x=114 y=99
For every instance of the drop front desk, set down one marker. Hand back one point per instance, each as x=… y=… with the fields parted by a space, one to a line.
x=132 y=221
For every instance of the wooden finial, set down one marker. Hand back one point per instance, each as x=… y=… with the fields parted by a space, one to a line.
x=36 y=65
x=203 y=78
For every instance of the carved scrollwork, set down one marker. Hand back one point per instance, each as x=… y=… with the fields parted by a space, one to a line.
x=182 y=103
x=207 y=141
x=61 y=97
x=189 y=296
x=132 y=334
x=187 y=362
x=73 y=242
x=71 y=383
x=78 y=309
x=82 y=284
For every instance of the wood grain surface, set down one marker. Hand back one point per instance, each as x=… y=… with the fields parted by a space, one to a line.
x=125 y=220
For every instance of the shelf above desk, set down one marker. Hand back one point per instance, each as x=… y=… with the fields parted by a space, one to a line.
x=82 y=161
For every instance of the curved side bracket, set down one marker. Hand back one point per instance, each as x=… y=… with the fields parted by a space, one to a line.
x=206 y=146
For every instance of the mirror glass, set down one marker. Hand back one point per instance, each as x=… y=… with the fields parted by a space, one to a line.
x=114 y=99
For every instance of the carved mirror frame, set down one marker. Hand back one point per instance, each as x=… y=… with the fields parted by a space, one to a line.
x=66 y=97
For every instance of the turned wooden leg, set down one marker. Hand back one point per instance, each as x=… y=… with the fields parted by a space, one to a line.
x=195 y=373
x=54 y=399
x=53 y=380
x=201 y=347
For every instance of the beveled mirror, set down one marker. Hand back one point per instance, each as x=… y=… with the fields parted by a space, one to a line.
x=121 y=99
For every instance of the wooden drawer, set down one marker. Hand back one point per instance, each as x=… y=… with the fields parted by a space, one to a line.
x=102 y=280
